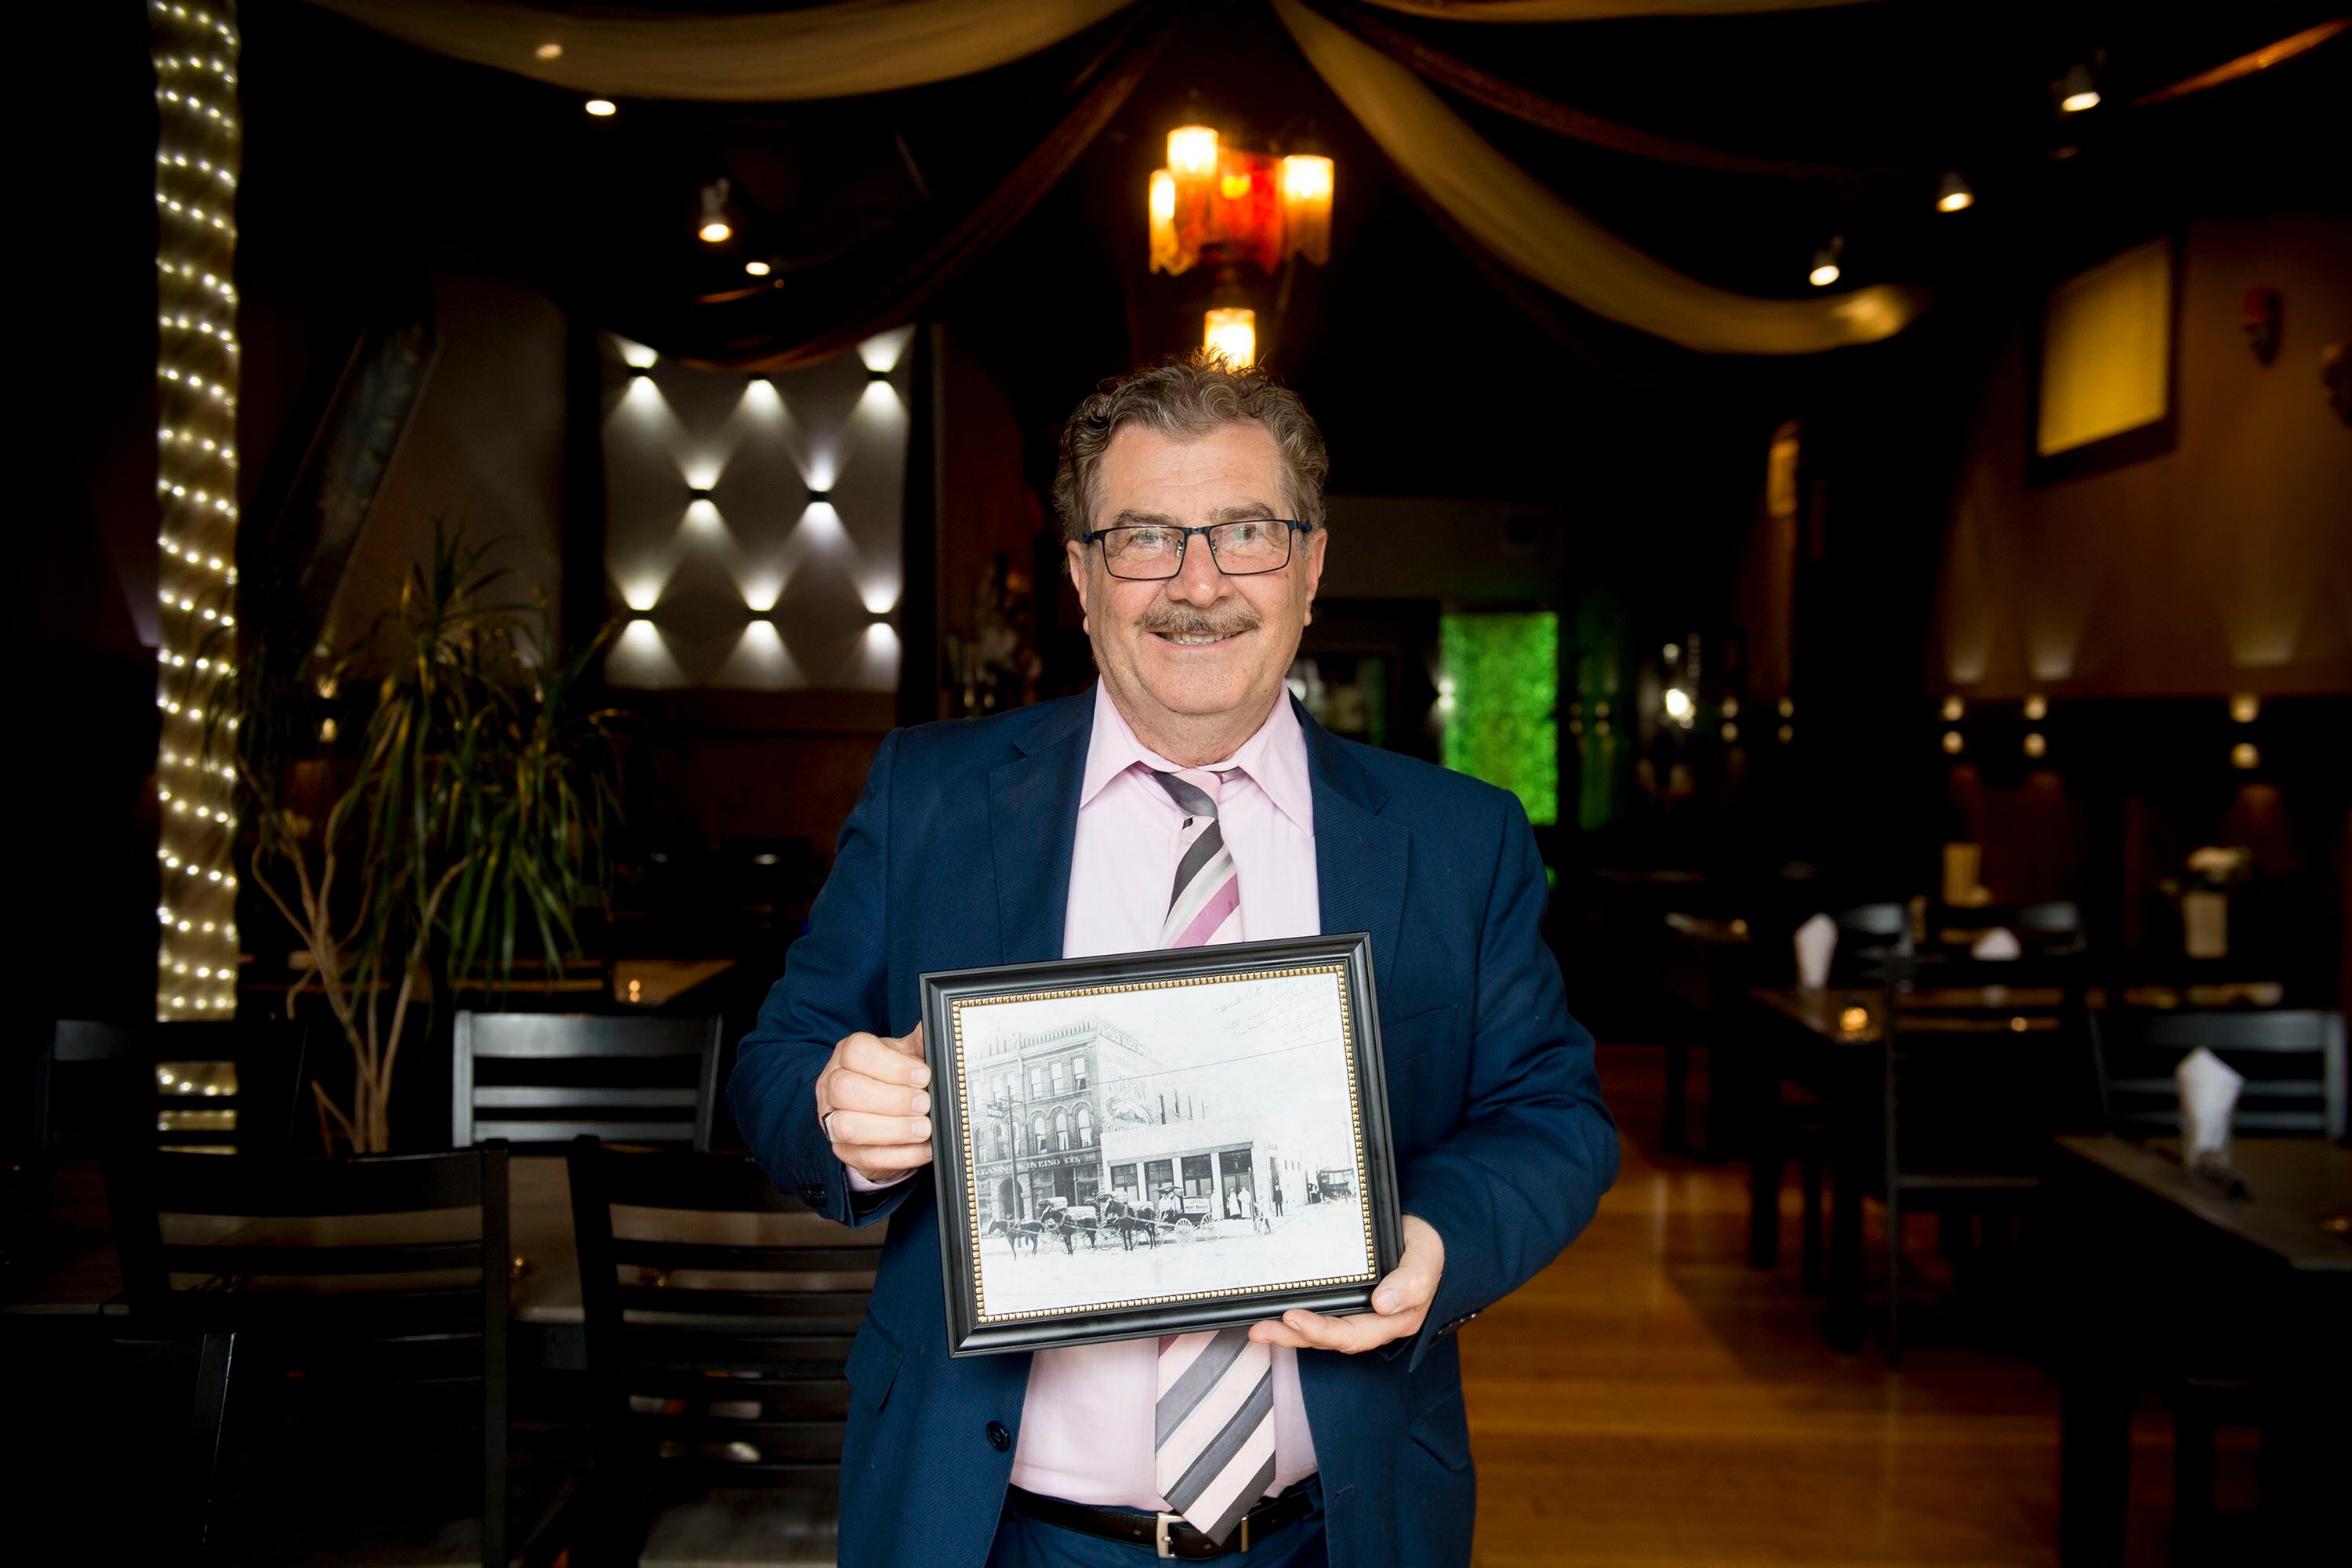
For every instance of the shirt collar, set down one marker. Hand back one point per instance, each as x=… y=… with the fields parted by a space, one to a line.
x=1275 y=757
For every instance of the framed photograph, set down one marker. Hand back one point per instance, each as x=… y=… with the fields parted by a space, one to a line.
x=1154 y=1143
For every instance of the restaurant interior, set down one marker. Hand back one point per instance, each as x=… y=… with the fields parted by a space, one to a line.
x=1873 y=478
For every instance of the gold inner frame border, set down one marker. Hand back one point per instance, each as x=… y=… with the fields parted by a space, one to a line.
x=971 y=1167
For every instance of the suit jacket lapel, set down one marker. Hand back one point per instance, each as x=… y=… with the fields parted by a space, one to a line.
x=1360 y=858
x=1032 y=821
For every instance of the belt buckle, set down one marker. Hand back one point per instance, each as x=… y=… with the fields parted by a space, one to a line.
x=1167 y=1521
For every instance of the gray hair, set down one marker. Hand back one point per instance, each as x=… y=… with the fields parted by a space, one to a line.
x=1186 y=396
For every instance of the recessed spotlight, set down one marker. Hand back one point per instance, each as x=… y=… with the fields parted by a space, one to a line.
x=1825 y=263
x=714 y=228
x=2077 y=91
x=601 y=108
x=1954 y=195
x=549 y=51
x=757 y=269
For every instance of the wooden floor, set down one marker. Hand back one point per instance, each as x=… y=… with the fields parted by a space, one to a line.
x=1651 y=1400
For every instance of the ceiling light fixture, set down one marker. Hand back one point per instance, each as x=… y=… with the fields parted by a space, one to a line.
x=1954 y=195
x=1826 y=263
x=549 y=51
x=2076 y=90
x=715 y=229
x=601 y=108
x=757 y=269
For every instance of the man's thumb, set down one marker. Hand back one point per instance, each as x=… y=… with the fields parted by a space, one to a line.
x=911 y=1043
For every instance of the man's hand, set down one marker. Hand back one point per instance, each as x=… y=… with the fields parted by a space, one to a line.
x=1400 y=1303
x=873 y=1102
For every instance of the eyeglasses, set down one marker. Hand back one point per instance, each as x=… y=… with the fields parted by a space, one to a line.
x=1154 y=552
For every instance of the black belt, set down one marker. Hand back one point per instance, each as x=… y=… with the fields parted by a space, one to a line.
x=1166 y=1532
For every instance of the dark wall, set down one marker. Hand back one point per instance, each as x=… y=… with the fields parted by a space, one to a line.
x=2224 y=565
x=84 y=628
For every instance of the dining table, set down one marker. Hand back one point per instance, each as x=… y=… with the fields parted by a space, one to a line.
x=2186 y=1281
x=59 y=1258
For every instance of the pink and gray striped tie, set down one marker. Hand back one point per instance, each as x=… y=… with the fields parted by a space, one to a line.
x=1212 y=1432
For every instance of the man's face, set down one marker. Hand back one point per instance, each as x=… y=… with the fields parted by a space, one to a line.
x=1200 y=643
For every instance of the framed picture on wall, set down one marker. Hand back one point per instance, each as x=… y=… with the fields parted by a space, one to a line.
x=2107 y=369
x=1154 y=1143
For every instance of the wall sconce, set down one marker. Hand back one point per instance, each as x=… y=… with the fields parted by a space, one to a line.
x=2245 y=707
x=2037 y=708
x=2036 y=745
x=700 y=492
x=819 y=492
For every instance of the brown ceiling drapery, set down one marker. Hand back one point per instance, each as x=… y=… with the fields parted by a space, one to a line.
x=1481 y=87
x=1593 y=10
x=743 y=330
x=1540 y=235
x=825 y=51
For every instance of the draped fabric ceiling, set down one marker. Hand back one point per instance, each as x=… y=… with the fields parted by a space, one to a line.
x=863 y=46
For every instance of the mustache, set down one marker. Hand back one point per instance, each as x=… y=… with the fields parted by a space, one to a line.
x=1187 y=621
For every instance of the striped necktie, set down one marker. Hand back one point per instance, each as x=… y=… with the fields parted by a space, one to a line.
x=1212 y=1432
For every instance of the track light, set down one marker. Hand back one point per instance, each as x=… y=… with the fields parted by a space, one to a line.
x=715 y=228
x=1826 y=263
x=1954 y=195
x=2076 y=90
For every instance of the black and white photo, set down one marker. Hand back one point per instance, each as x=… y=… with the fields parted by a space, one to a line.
x=1160 y=1140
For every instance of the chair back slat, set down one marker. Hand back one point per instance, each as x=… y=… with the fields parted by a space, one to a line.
x=2293 y=1062
x=542 y=1080
x=693 y=1265
x=217 y=1086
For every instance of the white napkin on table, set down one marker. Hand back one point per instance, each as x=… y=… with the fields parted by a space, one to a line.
x=1816 y=942
x=1997 y=945
x=2208 y=1087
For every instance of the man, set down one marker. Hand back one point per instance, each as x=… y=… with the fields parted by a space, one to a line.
x=1191 y=501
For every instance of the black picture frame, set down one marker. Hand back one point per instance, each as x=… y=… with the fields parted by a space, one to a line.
x=2136 y=445
x=950 y=1000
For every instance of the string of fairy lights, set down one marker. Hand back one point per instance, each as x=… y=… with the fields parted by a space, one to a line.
x=197 y=164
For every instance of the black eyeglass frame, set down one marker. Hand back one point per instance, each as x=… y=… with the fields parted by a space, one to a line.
x=1184 y=539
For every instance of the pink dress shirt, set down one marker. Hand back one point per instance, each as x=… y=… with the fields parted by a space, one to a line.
x=1085 y=1426
x=1086 y=1422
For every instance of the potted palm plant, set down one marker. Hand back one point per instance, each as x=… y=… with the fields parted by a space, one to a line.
x=422 y=805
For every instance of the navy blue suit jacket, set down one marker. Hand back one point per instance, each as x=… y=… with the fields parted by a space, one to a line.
x=959 y=855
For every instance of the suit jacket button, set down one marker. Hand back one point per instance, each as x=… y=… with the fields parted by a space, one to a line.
x=998 y=1438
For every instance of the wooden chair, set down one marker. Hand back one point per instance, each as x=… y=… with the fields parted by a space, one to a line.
x=2294 y=1063
x=540 y=1080
x=1866 y=933
x=719 y=1316
x=1981 y=1063
x=369 y=1271
x=220 y=1086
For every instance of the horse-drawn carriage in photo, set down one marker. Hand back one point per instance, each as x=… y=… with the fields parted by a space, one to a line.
x=1132 y=1220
